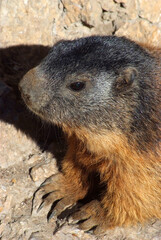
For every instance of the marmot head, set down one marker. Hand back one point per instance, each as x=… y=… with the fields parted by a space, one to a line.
x=94 y=82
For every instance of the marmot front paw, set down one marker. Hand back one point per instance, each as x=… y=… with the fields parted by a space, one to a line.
x=90 y=216
x=58 y=192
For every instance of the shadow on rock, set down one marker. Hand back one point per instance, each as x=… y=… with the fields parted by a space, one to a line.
x=14 y=63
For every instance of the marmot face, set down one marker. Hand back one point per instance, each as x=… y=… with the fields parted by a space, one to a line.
x=92 y=82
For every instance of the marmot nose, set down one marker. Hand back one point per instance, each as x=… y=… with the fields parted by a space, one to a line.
x=24 y=95
x=20 y=87
x=25 y=86
x=28 y=85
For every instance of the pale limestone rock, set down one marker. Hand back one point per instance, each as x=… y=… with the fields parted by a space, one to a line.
x=121 y=1
x=15 y=145
x=45 y=22
x=132 y=9
x=150 y=10
x=39 y=22
x=27 y=22
x=141 y=31
x=108 y=5
x=104 y=28
x=43 y=170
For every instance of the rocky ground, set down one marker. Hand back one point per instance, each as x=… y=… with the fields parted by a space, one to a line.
x=31 y=150
x=46 y=21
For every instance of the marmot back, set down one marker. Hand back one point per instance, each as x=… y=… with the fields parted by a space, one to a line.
x=105 y=94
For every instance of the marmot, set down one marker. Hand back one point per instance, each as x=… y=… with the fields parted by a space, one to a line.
x=105 y=94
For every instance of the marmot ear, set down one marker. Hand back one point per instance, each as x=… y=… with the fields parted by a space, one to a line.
x=126 y=78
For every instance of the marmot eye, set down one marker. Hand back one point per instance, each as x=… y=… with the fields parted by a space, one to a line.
x=77 y=86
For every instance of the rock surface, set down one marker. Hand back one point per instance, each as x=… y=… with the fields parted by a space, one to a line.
x=45 y=22
x=30 y=150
